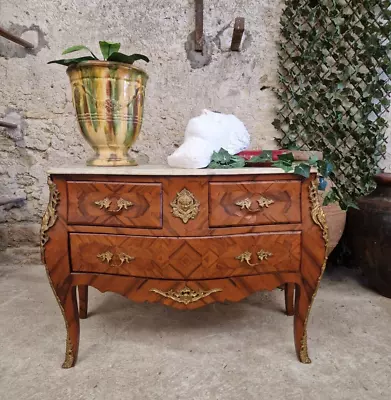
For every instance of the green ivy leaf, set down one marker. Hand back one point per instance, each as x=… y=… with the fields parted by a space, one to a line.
x=265 y=156
x=303 y=170
x=330 y=197
x=120 y=57
x=292 y=146
x=237 y=162
x=287 y=157
x=325 y=168
x=287 y=167
x=222 y=159
x=108 y=48
x=71 y=61
x=329 y=80
x=222 y=156
x=351 y=204
x=214 y=165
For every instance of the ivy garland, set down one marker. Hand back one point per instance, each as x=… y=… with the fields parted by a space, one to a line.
x=335 y=87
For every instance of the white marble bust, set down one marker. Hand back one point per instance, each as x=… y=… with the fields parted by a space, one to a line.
x=207 y=133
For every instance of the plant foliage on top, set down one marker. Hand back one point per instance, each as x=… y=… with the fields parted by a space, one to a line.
x=335 y=87
x=223 y=160
x=109 y=50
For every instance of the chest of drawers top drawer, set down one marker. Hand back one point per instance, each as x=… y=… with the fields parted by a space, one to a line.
x=136 y=205
x=254 y=203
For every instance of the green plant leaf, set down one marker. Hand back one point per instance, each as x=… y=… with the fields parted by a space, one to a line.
x=330 y=197
x=334 y=88
x=120 y=57
x=108 y=48
x=303 y=170
x=70 y=61
x=214 y=165
x=287 y=157
x=313 y=160
x=292 y=146
x=322 y=184
x=237 y=162
x=287 y=167
x=222 y=156
x=325 y=168
x=351 y=204
x=78 y=48
x=265 y=156
x=222 y=159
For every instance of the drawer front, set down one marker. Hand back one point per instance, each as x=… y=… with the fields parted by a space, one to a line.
x=115 y=204
x=254 y=203
x=186 y=258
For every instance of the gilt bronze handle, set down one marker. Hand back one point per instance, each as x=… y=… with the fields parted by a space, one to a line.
x=185 y=206
x=262 y=203
x=121 y=205
x=186 y=295
x=109 y=258
x=247 y=255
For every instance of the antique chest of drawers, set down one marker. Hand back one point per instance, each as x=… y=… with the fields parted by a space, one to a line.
x=184 y=238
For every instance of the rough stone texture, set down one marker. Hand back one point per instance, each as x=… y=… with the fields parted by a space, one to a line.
x=221 y=352
x=38 y=97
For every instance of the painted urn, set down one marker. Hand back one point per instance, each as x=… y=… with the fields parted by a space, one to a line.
x=109 y=101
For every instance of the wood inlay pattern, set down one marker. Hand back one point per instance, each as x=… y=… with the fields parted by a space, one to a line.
x=158 y=258
x=190 y=258
x=254 y=203
x=138 y=205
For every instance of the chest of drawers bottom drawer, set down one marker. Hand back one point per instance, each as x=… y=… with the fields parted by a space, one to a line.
x=186 y=294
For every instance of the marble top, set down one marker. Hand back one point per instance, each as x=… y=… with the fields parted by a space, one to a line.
x=162 y=170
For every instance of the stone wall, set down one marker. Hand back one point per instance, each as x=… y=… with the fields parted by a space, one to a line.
x=37 y=96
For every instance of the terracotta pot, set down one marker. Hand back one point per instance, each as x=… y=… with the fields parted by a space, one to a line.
x=109 y=101
x=335 y=218
x=336 y=221
x=369 y=235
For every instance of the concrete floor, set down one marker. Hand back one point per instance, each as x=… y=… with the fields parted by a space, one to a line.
x=239 y=351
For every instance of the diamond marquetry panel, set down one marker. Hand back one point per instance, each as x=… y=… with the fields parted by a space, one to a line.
x=186 y=258
x=254 y=203
x=115 y=204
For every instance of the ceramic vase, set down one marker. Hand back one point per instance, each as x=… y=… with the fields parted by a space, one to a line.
x=109 y=102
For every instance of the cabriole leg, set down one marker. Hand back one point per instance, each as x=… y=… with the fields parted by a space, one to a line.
x=302 y=309
x=289 y=290
x=66 y=297
x=83 y=301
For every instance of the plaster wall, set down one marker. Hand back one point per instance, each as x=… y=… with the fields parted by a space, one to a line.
x=37 y=96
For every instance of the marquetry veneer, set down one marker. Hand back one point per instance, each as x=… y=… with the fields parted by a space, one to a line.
x=183 y=238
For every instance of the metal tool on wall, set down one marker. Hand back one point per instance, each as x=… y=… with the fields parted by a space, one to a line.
x=237 y=34
x=8 y=35
x=199 y=25
x=199 y=29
